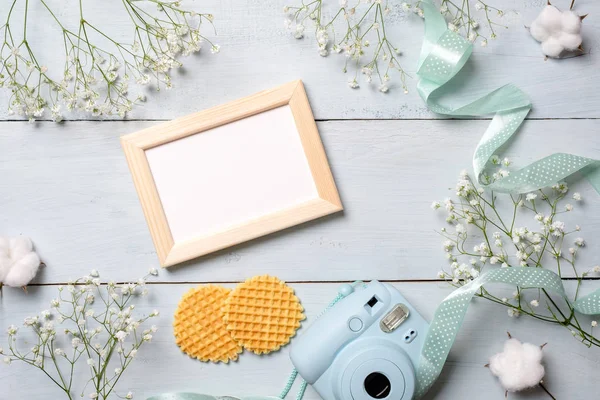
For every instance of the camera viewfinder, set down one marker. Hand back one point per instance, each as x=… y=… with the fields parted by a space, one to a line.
x=372 y=302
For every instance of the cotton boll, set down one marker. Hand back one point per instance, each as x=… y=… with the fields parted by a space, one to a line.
x=571 y=22
x=570 y=41
x=552 y=47
x=552 y=18
x=538 y=31
x=5 y=261
x=18 y=262
x=23 y=271
x=20 y=246
x=519 y=366
x=557 y=31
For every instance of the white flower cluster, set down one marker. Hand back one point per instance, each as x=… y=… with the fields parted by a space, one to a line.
x=529 y=245
x=96 y=78
x=365 y=42
x=480 y=237
x=462 y=18
x=106 y=332
x=362 y=23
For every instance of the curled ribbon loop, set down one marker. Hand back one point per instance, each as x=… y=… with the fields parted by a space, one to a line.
x=443 y=55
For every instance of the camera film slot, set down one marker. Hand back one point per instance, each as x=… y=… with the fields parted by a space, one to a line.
x=394 y=318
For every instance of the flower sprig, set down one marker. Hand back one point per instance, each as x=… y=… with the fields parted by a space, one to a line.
x=501 y=243
x=465 y=16
x=95 y=78
x=357 y=29
x=100 y=327
x=362 y=22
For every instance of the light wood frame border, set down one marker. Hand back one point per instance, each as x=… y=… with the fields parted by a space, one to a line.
x=135 y=145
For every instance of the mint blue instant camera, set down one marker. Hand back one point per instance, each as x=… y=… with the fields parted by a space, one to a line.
x=366 y=347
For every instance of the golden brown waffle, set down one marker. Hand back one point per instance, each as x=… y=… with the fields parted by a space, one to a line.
x=262 y=314
x=199 y=328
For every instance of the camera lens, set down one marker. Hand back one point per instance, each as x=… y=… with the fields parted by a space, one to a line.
x=377 y=385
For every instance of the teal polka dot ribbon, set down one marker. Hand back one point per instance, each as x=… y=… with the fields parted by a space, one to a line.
x=449 y=316
x=443 y=55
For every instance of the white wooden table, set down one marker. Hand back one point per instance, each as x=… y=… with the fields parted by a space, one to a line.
x=68 y=187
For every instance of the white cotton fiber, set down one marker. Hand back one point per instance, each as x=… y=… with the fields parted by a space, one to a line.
x=557 y=31
x=552 y=47
x=18 y=262
x=571 y=22
x=519 y=366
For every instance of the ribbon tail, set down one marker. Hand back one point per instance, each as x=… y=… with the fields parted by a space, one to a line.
x=449 y=316
x=443 y=55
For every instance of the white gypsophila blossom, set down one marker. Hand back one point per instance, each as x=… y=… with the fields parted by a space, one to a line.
x=121 y=336
x=366 y=44
x=96 y=80
x=513 y=313
x=577 y=196
x=483 y=230
x=534 y=303
x=119 y=331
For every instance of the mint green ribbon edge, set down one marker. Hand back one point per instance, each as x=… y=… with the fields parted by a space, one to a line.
x=443 y=55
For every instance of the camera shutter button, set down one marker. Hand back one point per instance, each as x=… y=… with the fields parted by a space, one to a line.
x=355 y=324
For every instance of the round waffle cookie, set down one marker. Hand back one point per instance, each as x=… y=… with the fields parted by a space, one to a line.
x=262 y=314
x=199 y=328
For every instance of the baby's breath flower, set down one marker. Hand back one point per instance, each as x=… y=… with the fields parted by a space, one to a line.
x=577 y=196
x=513 y=313
x=533 y=248
x=96 y=81
x=534 y=303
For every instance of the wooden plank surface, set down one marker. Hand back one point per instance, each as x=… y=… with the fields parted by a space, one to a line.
x=161 y=366
x=257 y=53
x=68 y=187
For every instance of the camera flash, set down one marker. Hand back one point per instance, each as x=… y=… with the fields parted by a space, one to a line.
x=394 y=318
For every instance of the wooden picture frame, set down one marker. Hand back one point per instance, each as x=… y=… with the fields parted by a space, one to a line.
x=136 y=145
